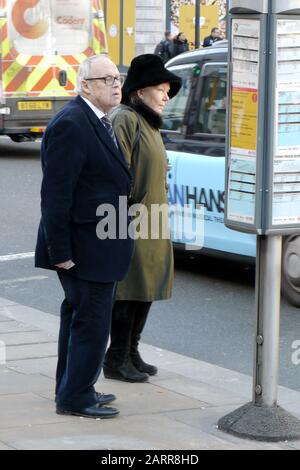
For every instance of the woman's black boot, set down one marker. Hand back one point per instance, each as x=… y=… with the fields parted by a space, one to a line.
x=117 y=363
x=140 y=318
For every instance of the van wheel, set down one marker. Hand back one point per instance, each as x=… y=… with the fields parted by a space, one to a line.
x=290 y=273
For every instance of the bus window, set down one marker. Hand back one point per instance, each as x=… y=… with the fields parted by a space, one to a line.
x=175 y=109
x=212 y=107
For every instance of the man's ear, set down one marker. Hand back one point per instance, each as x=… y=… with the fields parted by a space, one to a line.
x=140 y=94
x=85 y=87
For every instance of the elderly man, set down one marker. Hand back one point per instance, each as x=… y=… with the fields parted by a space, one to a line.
x=83 y=167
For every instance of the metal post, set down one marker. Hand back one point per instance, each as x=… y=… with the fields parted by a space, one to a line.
x=197 y=25
x=268 y=280
x=105 y=12
x=168 y=15
x=262 y=419
x=121 y=33
x=227 y=20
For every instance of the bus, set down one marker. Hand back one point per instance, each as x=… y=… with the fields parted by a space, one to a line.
x=42 y=44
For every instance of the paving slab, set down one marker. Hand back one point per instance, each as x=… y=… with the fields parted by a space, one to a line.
x=26 y=410
x=207 y=421
x=214 y=396
x=5 y=447
x=147 y=432
x=4 y=319
x=45 y=366
x=12 y=326
x=26 y=337
x=13 y=383
x=143 y=399
x=289 y=399
x=293 y=408
x=23 y=314
x=293 y=445
x=6 y=303
x=31 y=351
x=232 y=381
x=161 y=357
x=214 y=375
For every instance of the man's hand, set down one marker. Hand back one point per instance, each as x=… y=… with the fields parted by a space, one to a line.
x=66 y=265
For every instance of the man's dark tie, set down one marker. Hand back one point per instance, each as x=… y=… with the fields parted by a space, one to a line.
x=108 y=125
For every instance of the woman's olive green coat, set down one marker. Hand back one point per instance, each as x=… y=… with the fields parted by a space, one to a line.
x=150 y=276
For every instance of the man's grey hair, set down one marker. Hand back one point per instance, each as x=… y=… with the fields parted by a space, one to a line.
x=85 y=69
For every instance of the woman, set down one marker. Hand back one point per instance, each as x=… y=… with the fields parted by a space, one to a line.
x=179 y=45
x=146 y=91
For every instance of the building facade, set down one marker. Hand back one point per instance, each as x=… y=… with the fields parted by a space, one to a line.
x=150 y=24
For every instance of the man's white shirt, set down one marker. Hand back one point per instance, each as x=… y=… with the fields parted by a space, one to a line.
x=94 y=108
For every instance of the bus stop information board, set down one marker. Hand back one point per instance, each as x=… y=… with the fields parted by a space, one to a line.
x=244 y=113
x=286 y=168
x=263 y=125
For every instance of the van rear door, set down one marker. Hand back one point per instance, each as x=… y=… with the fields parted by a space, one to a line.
x=48 y=37
x=41 y=38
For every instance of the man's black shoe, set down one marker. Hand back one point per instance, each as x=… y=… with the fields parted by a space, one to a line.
x=105 y=399
x=95 y=412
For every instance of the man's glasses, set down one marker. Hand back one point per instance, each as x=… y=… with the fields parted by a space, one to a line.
x=109 y=80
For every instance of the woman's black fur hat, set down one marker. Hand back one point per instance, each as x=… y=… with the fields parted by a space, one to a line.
x=148 y=70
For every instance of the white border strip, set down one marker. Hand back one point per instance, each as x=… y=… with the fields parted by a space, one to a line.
x=17 y=256
x=22 y=279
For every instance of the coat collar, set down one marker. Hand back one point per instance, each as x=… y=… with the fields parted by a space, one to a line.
x=102 y=133
x=153 y=118
x=100 y=114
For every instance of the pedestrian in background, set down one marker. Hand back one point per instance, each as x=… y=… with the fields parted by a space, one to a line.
x=215 y=36
x=83 y=168
x=163 y=48
x=146 y=91
x=179 y=45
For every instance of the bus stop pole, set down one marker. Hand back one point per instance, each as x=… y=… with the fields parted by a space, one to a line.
x=268 y=275
x=262 y=419
x=255 y=25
